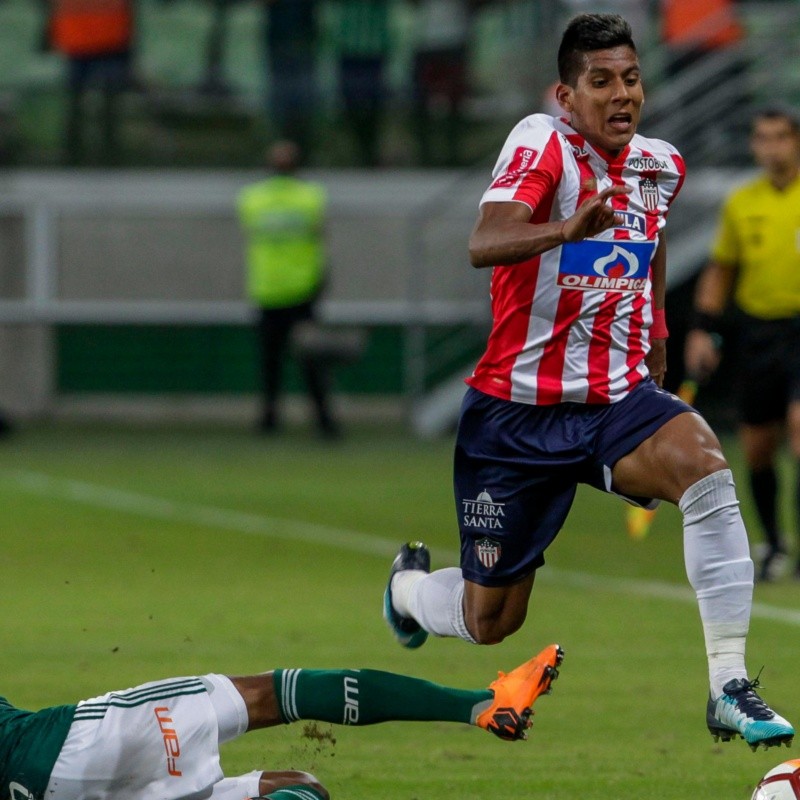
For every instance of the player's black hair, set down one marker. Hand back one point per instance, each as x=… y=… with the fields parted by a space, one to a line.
x=588 y=32
x=779 y=112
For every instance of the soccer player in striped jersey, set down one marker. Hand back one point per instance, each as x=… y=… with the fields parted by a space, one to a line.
x=569 y=390
x=160 y=740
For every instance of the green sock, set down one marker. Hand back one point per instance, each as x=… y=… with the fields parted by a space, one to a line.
x=299 y=792
x=367 y=696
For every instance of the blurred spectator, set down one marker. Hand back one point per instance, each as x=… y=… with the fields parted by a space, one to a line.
x=96 y=37
x=5 y=425
x=214 y=82
x=362 y=41
x=692 y=29
x=441 y=52
x=291 y=36
x=283 y=219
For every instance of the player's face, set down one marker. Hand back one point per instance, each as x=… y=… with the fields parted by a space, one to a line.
x=605 y=104
x=776 y=147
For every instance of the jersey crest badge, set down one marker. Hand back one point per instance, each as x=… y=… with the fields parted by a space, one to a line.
x=648 y=188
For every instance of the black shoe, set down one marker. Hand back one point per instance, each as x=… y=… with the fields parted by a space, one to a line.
x=407 y=631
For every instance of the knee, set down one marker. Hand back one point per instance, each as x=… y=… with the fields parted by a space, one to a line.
x=712 y=461
x=702 y=461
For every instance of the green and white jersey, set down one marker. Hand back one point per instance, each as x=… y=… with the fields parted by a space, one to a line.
x=30 y=743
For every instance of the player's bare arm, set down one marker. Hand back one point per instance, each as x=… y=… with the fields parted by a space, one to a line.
x=714 y=287
x=656 y=359
x=504 y=235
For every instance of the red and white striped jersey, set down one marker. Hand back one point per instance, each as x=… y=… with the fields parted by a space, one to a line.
x=572 y=323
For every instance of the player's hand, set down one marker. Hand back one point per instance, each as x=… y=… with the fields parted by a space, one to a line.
x=656 y=360
x=701 y=355
x=593 y=216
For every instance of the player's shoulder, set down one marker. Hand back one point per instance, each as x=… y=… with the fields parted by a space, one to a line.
x=535 y=130
x=666 y=154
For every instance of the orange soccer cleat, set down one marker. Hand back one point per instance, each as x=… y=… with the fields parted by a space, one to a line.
x=509 y=715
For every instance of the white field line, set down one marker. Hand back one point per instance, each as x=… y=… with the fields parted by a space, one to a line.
x=143 y=505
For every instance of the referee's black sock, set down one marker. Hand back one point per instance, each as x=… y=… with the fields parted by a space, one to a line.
x=764 y=487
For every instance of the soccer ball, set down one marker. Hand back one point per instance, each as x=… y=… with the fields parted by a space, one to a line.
x=780 y=783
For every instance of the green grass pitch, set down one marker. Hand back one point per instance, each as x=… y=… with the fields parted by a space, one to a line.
x=135 y=554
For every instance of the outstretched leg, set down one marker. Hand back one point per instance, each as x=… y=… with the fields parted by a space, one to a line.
x=366 y=697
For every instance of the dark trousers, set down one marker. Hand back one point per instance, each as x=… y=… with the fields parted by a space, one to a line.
x=275 y=327
x=110 y=76
x=364 y=94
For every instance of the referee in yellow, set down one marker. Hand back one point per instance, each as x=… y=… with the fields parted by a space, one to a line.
x=756 y=258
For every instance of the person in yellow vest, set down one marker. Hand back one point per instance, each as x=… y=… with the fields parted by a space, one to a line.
x=96 y=37
x=756 y=258
x=283 y=219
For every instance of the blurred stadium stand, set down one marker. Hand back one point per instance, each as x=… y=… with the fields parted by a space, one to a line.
x=127 y=284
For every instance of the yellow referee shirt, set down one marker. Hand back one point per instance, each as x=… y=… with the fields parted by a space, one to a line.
x=759 y=233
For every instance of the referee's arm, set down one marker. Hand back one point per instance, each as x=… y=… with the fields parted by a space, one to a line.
x=714 y=287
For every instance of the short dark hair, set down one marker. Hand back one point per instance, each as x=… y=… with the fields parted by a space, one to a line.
x=588 y=32
x=778 y=112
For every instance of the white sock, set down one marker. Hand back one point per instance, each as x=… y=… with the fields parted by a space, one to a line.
x=434 y=600
x=402 y=582
x=719 y=568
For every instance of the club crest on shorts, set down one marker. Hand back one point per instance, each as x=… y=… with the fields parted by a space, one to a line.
x=488 y=551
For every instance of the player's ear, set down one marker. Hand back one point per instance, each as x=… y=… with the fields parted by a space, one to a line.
x=564 y=95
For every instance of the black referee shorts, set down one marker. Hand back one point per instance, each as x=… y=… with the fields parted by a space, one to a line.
x=769 y=372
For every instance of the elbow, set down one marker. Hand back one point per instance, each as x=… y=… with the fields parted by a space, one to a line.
x=478 y=256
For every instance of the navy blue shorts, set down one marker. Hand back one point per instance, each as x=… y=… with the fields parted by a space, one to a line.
x=517 y=467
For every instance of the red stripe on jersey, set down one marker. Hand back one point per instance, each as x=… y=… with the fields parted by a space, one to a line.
x=549 y=378
x=539 y=182
x=600 y=349
x=550 y=375
x=509 y=329
x=518 y=167
x=588 y=187
x=635 y=343
x=680 y=165
x=620 y=201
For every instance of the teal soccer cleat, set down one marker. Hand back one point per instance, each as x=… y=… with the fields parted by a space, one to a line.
x=407 y=631
x=739 y=711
